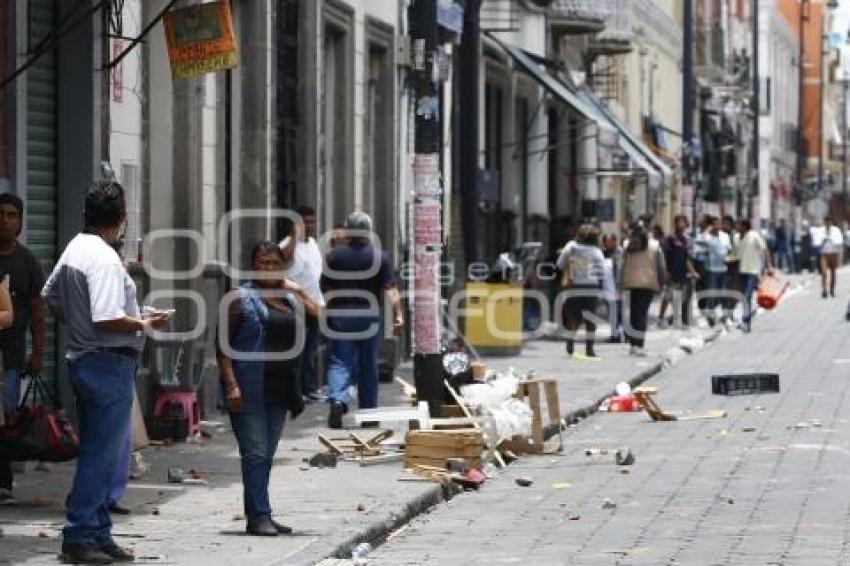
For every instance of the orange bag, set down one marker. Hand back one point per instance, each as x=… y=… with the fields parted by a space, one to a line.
x=770 y=291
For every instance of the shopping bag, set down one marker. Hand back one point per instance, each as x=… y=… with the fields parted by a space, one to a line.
x=770 y=291
x=39 y=429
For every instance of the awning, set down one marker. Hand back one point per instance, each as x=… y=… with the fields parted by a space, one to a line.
x=555 y=86
x=586 y=103
x=646 y=159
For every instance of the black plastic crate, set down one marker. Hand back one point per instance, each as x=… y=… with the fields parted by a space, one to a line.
x=745 y=383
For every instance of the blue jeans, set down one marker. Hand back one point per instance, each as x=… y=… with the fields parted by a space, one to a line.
x=749 y=284
x=122 y=467
x=355 y=357
x=103 y=387
x=715 y=286
x=309 y=383
x=11 y=398
x=11 y=389
x=257 y=430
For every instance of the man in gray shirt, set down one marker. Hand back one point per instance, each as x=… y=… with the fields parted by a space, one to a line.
x=92 y=294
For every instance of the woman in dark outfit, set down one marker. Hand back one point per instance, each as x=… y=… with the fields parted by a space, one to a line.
x=259 y=386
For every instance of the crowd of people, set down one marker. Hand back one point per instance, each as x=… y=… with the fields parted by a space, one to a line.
x=720 y=263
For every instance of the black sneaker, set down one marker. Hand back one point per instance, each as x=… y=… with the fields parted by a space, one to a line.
x=281 y=529
x=335 y=416
x=117 y=553
x=83 y=554
x=262 y=528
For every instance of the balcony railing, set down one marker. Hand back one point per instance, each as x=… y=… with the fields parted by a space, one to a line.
x=577 y=17
x=616 y=38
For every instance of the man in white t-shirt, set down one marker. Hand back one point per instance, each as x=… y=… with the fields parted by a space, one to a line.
x=754 y=254
x=93 y=296
x=304 y=266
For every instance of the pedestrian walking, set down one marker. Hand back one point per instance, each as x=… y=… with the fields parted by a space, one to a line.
x=358 y=277
x=718 y=247
x=818 y=235
x=754 y=254
x=831 y=247
x=24 y=280
x=91 y=293
x=583 y=268
x=681 y=274
x=303 y=265
x=641 y=278
x=733 y=266
x=613 y=261
x=784 y=259
x=259 y=374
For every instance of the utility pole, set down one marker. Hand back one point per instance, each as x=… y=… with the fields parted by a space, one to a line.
x=427 y=204
x=800 y=106
x=688 y=102
x=756 y=190
x=844 y=87
x=821 y=89
x=468 y=77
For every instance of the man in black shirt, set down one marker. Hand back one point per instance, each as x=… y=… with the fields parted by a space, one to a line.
x=680 y=270
x=357 y=277
x=26 y=278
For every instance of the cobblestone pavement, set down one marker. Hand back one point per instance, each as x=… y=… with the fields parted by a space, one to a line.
x=766 y=485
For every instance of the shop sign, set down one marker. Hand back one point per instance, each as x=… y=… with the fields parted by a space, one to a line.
x=200 y=39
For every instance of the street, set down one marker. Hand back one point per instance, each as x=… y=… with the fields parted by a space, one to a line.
x=767 y=485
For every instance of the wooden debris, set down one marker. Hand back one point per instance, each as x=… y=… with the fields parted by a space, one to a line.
x=645 y=397
x=433 y=447
x=329 y=444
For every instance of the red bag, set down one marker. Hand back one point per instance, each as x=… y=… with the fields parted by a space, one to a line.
x=38 y=430
x=770 y=291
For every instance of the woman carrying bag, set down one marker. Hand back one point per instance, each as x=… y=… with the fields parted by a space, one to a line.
x=583 y=267
x=259 y=373
x=642 y=276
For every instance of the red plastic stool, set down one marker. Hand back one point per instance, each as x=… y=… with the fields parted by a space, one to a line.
x=188 y=403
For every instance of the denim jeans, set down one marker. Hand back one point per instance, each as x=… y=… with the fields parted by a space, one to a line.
x=122 y=467
x=11 y=398
x=715 y=289
x=354 y=357
x=749 y=284
x=309 y=383
x=257 y=429
x=103 y=387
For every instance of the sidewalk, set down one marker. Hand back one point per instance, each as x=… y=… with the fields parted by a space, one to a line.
x=331 y=509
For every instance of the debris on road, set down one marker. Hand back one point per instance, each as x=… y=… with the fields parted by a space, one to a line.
x=562 y=485
x=434 y=447
x=646 y=400
x=323 y=460
x=624 y=457
x=620 y=404
x=523 y=481
x=745 y=383
x=608 y=504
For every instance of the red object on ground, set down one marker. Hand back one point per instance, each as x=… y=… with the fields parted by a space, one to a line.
x=770 y=292
x=623 y=404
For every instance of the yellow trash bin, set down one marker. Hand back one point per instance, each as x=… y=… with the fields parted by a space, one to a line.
x=493 y=319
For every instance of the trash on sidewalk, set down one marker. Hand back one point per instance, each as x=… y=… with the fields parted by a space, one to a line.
x=646 y=400
x=620 y=404
x=523 y=481
x=624 y=457
x=178 y=475
x=435 y=447
x=745 y=383
x=323 y=460
x=608 y=504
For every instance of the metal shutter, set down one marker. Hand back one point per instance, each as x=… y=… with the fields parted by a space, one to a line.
x=41 y=217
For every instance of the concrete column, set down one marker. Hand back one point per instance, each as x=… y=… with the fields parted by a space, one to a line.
x=538 y=158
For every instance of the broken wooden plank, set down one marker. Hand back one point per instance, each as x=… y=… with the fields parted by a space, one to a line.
x=330 y=445
x=382 y=459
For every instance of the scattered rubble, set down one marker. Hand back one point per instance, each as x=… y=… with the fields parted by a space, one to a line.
x=523 y=481
x=608 y=504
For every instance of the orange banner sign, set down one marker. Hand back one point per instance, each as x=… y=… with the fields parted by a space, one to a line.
x=200 y=39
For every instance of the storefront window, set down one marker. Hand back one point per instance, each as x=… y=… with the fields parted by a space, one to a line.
x=6 y=50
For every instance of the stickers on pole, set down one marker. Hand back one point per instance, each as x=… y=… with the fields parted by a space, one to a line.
x=200 y=39
x=427 y=240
